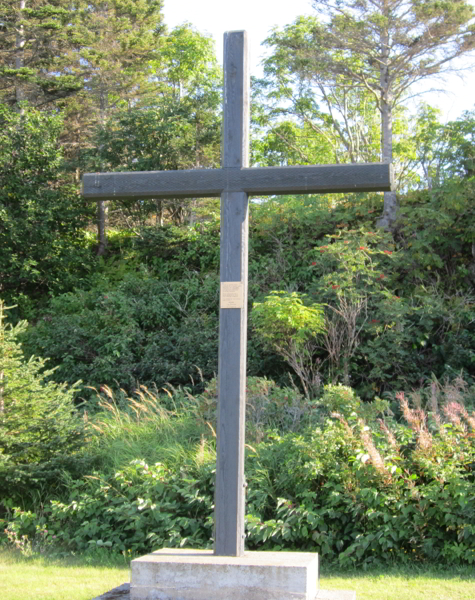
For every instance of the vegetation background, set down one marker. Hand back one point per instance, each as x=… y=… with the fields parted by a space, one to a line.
x=361 y=390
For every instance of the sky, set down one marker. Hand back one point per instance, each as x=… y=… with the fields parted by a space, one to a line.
x=258 y=17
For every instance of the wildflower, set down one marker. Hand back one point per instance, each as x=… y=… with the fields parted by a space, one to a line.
x=374 y=321
x=346 y=242
x=313 y=264
x=381 y=276
x=375 y=456
x=389 y=434
x=334 y=287
x=452 y=410
x=387 y=251
x=417 y=421
x=363 y=248
x=343 y=421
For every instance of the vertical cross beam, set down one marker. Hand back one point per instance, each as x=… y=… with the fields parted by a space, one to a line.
x=230 y=493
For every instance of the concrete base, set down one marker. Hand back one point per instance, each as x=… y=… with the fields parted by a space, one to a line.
x=123 y=593
x=171 y=574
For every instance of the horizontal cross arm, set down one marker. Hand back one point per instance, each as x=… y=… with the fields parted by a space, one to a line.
x=259 y=181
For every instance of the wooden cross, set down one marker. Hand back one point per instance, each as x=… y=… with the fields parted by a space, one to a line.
x=234 y=182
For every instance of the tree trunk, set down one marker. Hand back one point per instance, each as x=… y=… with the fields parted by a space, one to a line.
x=386 y=106
x=102 y=210
x=159 y=213
x=20 y=53
x=102 y=206
x=390 y=200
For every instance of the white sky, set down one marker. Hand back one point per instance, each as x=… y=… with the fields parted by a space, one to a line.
x=257 y=17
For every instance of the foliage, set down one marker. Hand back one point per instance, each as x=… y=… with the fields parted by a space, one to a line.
x=440 y=152
x=289 y=327
x=40 y=433
x=395 y=311
x=380 y=48
x=395 y=493
x=299 y=119
x=36 y=39
x=178 y=130
x=41 y=216
x=53 y=50
x=359 y=489
x=187 y=133
x=141 y=330
x=269 y=408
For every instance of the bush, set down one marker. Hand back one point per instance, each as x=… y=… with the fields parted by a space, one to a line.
x=358 y=490
x=138 y=331
x=41 y=433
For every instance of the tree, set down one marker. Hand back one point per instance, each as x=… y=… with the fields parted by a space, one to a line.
x=180 y=129
x=305 y=119
x=440 y=152
x=99 y=52
x=117 y=60
x=41 y=215
x=40 y=430
x=384 y=47
x=36 y=39
x=51 y=49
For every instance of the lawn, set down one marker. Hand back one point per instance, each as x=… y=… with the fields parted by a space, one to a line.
x=83 y=578
x=42 y=578
x=405 y=583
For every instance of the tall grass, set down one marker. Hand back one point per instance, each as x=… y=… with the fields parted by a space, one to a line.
x=156 y=428
x=175 y=427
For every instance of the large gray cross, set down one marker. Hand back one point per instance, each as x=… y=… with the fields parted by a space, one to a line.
x=234 y=182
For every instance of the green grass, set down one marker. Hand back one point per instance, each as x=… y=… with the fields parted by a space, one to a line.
x=42 y=578
x=83 y=578
x=405 y=583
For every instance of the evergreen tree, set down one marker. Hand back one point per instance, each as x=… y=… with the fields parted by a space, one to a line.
x=40 y=430
x=36 y=40
x=50 y=49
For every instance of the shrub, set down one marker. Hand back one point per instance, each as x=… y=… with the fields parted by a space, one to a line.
x=289 y=327
x=41 y=433
x=357 y=490
x=138 y=331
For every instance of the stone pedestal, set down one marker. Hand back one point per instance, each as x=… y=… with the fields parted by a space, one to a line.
x=171 y=574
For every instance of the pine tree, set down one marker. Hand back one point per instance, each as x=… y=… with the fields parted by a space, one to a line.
x=35 y=44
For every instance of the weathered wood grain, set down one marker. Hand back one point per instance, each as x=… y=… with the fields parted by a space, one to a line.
x=229 y=492
x=263 y=181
